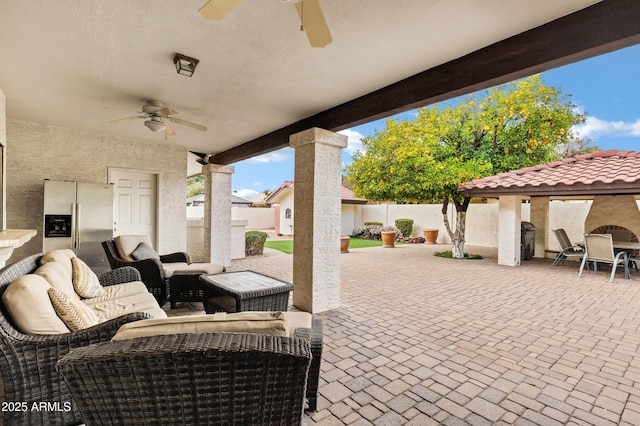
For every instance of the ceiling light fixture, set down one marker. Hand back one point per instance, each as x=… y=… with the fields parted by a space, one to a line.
x=156 y=125
x=185 y=65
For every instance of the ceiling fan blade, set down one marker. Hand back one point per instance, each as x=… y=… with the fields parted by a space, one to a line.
x=217 y=9
x=122 y=120
x=313 y=23
x=168 y=131
x=188 y=123
x=166 y=111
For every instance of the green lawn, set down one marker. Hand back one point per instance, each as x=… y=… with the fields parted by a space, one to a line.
x=286 y=246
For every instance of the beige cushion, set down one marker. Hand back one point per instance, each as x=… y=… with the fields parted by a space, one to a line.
x=297 y=320
x=75 y=314
x=126 y=244
x=85 y=281
x=117 y=291
x=56 y=274
x=140 y=302
x=272 y=323
x=30 y=308
x=170 y=268
x=62 y=256
x=205 y=268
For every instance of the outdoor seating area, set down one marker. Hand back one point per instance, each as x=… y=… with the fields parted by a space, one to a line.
x=57 y=318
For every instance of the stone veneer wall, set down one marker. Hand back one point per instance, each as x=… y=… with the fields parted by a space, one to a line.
x=37 y=152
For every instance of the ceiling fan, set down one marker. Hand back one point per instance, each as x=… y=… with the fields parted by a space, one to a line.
x=158 y=117
x=311 y=17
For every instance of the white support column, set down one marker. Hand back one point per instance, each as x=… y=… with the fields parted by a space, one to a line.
x=509 y=217
x=217 y=213
x=540 y=219
x=316 y=219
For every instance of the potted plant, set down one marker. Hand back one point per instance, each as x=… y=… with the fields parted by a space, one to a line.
x=430 y=236
x=388 y=235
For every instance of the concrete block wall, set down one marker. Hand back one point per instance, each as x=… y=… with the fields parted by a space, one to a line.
x=37 y=152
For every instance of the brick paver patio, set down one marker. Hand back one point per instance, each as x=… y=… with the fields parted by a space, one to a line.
x=423 y=340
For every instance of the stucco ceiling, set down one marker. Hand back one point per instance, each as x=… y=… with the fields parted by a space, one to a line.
x=80 y=64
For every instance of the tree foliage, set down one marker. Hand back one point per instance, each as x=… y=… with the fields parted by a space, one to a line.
x=505 y=128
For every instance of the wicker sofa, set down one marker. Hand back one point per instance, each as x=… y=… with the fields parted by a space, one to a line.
x=207 y=378
x=27 y=362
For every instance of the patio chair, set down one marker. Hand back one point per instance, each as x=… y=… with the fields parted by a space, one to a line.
x=195 y=379
x=568 y=249
x=155 y=269
x=599 y=248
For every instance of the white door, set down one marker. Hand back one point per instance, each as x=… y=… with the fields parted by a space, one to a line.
x=135 y=202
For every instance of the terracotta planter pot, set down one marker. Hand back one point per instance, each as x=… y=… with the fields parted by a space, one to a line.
x=344 y=244
x=430 y=236
x=388 y=239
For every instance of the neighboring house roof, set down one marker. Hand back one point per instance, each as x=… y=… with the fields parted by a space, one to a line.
x=347 y=196
x=199 y=199
x=602 y=172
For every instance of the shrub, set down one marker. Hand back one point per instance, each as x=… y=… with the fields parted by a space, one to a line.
x=405 y=226
x=368 y=232
x=254 y=243
x=373 y=223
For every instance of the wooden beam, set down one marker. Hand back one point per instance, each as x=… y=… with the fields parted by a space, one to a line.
x=598 y=29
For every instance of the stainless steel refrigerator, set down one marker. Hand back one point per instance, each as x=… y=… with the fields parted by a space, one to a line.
x=78 y=216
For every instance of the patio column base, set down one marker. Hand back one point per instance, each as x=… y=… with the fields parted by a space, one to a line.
x=316 y=219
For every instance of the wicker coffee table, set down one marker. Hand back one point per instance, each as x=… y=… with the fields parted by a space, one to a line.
x=244 y=291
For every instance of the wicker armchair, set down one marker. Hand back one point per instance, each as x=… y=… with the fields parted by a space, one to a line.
x=27 y=362
x=195 y=379
x=151 y=270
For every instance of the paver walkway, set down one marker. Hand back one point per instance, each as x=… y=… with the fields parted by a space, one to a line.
x=424 y=340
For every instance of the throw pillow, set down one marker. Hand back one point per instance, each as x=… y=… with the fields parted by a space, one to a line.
x=144 y=251
x=75 y=314
x=85 y=281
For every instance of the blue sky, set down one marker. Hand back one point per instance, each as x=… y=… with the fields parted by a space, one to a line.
x=605 y=87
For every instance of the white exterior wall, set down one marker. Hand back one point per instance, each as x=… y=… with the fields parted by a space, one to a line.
x=37 y=152
x=286 y=225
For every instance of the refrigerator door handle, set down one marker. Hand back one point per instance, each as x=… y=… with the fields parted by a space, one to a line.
x=77 y=221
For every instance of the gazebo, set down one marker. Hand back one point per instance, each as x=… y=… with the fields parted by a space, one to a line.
x=611 y=179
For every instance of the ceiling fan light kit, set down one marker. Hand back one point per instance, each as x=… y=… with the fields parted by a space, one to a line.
x=157 y=118
x=185 y=65
x=155 y=125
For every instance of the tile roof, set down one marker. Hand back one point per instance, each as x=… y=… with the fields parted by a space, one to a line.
x=602 y=172
x=346 y=195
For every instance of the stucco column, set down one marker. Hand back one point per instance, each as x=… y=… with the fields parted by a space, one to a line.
x=316 y=219
x=217 y=213
x=540 y=218
x=509 y=217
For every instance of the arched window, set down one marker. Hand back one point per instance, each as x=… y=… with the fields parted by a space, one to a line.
x=287 y=214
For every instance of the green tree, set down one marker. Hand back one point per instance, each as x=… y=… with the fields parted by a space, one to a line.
x=195 y=185
x=426 y=160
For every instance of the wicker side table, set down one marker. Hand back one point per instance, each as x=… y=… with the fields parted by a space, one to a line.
x=185 y=287
x=244 y=291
